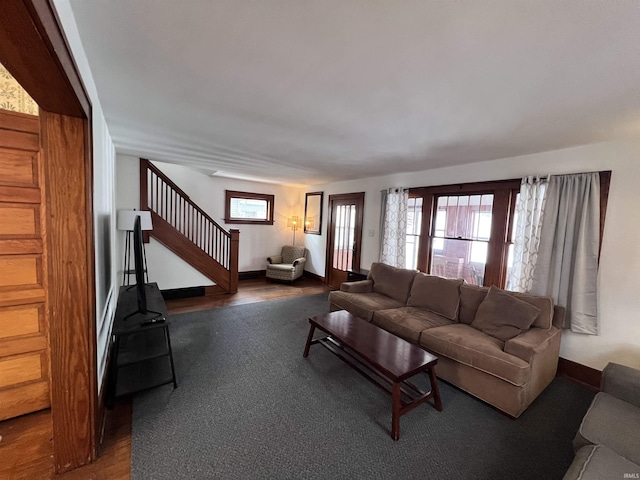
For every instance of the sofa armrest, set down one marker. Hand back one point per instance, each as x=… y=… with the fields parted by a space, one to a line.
x=300 y=261
x=361 y=286
x=529 y=343
x=622 y=382
x=274 y=259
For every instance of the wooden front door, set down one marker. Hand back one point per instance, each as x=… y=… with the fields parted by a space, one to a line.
x=24 y=345
x=345 y=236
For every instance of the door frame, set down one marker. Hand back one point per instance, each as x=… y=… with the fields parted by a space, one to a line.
x=359 y=199
x=34 y=49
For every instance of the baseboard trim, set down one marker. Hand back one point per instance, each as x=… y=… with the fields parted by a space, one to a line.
x=175 y=293
x=252 y=274
x=587 y=376
x=314 y=276
x=214 y=290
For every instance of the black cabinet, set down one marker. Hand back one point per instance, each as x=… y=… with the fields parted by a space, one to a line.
x=141 y=357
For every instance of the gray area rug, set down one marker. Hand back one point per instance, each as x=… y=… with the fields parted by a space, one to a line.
x=250 y=406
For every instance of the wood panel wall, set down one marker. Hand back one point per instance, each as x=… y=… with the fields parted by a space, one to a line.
x=24 y=345
x=71 y=290
x=34 y=49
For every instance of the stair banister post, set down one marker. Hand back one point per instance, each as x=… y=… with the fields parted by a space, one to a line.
x=144 y=193
x=233 y=260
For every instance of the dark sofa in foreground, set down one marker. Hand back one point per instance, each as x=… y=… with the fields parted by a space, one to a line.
x=500 y=346
x=607 y=444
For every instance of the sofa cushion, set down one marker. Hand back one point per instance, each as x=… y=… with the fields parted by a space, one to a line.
x=391 y=281
x=471 y=297
x=611 y=422
x=595 y=462
x=408 y=322
x=545 y=304
x=437 y=294
x=471 y=347
x=362 y=304
x=503 y=316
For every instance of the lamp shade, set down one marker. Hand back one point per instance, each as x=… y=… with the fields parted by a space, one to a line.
x=293 y=222
x=126 y=219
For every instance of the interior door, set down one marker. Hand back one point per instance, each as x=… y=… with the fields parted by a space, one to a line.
x=24 y=354
x=345 y=236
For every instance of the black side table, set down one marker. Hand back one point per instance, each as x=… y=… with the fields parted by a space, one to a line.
x=356 y=275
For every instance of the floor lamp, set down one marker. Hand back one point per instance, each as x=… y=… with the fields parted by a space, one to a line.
x=125 y=221
x=293 y=222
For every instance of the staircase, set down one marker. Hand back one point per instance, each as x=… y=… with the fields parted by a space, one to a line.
x=186 y=230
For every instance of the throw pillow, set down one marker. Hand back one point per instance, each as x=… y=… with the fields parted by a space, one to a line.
x=471 y=296
x=503 y=316
x=436 y=294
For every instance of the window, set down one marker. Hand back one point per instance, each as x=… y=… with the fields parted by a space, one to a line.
x=467 y=230
x=460 y=238
x=463 y=230
x=250 y=208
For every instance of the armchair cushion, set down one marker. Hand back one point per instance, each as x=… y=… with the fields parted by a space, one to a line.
x=611 y=422
x=622 y=382
x=290 y=253
x=595 y=462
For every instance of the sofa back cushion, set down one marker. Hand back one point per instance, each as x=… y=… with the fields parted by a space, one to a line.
x=545 y=304
x=471 y=297
x=503 y=316
x=436 y=294
x=391 y=281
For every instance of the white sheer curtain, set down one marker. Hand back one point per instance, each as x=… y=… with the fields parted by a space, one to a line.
x=567 y=267
x=393 y=227
x=529 y=212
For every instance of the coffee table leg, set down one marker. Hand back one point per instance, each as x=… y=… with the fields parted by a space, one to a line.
x=309 y=338
x=395 y=411
x=435 y=389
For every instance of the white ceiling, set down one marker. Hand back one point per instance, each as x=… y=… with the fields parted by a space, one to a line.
x=304 y=92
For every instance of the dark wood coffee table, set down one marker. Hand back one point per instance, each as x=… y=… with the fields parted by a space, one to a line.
x=381 y=357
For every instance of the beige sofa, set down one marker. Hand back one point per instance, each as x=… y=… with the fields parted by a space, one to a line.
x=502 y=347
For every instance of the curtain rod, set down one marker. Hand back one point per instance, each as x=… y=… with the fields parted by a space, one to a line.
x=395 y=189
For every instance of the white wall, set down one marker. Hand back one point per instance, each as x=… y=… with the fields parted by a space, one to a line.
x=619 y=282
x=257 y=242
x=103 y=196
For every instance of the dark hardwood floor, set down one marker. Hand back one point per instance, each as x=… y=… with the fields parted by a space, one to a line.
x=26 y=450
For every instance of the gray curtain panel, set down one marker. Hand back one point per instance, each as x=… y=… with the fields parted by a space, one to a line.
x=567 y=267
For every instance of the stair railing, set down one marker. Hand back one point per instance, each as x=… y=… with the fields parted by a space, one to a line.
x=164 y=198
